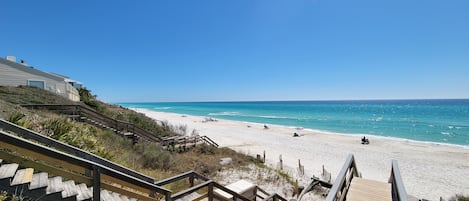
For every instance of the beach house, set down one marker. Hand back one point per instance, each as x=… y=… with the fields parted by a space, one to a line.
x=13 y=73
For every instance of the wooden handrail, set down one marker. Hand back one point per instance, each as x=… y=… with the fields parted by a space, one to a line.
x=342 y=182
x=274 y=197
x=86 y=111
x=93 y=114
x=96 y=168
x=191 y=175
x=209 y=141
x=398 y=190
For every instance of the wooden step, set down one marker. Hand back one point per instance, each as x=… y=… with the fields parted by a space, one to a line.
x=70 y=189
x=124 y=198
x=368 y=190
x=116 y=196
x=84 y=193
x=8 y=170
x=54 y=185
x=23 y=176
x=40 y=180
x=106 y=196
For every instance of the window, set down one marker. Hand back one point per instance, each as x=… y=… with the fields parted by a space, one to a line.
x=36 y=83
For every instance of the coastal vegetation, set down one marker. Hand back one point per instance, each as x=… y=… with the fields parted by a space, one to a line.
x=149 y=158
x=459 y=197
x=145 y=157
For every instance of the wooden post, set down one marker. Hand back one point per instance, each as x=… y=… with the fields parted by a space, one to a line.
x=263 y=159
x=301 y=169
x=167 y=196
x=281 y=162
x=191 y=180
x=96 y=183
x=210 y=192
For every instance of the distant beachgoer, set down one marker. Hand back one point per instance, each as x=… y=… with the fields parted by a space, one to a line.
x=365 y=141
x=296 y=135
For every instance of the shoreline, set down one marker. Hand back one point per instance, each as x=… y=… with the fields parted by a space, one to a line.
x=429 y=170
x=324 y=131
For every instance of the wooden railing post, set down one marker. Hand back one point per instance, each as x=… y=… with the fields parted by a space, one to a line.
x=167 y=196
x=96 y=183
x=191 y=180
x=210 y=192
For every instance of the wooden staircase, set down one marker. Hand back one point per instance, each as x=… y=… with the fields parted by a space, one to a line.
x=90 y=116
x=21 y=181
x=36 y=167
x=349 y=186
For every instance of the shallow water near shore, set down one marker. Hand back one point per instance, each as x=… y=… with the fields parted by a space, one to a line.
x=438 y=121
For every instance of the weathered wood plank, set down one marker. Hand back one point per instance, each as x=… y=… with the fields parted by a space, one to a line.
x=128 y=193
x=106 y=196
x=40 y=180
x=38 y=166
x=116 y=196
x=23 y=176
x=70 y=189
x=84 y=192
x=54 y=185
x=8 y=170
x=39 y=156
x=368 y=190
x=112 y=180
x=124 y=198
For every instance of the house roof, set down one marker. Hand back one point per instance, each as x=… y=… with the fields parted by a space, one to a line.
x=29 y=69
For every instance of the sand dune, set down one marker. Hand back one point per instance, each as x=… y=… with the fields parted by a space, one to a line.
x=428 y=170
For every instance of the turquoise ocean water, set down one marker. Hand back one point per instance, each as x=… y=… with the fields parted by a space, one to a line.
x=440 y=121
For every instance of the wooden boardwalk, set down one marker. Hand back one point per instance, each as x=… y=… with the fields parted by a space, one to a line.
x=369 y=190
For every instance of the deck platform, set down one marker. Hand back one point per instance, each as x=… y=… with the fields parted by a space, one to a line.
x=368 y=190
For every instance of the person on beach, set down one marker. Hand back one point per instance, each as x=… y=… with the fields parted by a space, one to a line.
x=365 y=141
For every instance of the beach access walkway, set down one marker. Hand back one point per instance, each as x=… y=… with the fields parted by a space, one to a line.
x=350 y=186
x=83 y=113
x=37 y=167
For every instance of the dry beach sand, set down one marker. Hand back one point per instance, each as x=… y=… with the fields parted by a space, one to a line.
x=428 y=170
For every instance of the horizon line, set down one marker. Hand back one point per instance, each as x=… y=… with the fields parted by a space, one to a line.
x=325 y=100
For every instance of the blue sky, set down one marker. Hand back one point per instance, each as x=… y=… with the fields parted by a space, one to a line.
x=235 y=50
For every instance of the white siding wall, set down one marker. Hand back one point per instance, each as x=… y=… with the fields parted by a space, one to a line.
x=72 y=93
x=12 y=77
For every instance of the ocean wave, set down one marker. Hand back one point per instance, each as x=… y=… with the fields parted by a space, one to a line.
x=447 y=133
x=225 y=114
x=162 y=108
x=274 y=117
x=238 y=114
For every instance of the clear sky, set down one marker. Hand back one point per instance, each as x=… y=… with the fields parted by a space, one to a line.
x=235 y=50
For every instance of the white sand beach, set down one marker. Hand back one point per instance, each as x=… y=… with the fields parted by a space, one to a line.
x=428 y=170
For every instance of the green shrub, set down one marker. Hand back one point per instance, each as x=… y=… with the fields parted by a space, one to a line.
x=15 y=117
x=206 y=149
x=153 y=157
x=459 y=197
x=3 y=196
x=57 y=127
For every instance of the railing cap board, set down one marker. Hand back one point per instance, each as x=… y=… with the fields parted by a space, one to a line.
x=397 y=182
x=349 y=163
x=181 y=176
